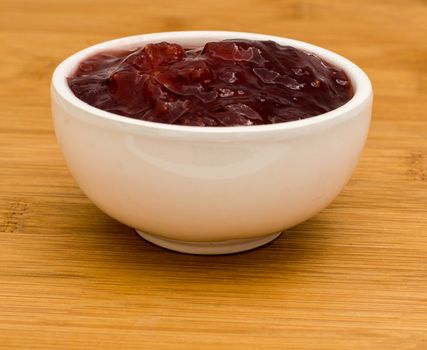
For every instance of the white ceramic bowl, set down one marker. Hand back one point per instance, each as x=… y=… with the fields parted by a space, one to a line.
x=209 y=190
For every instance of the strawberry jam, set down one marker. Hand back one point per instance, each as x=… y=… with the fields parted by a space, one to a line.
x=227 y=83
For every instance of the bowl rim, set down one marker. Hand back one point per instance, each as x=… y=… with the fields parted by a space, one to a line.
x=361 y=83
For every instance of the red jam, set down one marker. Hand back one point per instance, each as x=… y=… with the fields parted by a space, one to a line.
x=227 y=83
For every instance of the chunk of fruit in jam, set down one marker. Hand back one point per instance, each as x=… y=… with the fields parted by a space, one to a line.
x=226 y=83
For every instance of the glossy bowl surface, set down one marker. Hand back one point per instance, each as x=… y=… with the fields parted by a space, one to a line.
x=209 y=190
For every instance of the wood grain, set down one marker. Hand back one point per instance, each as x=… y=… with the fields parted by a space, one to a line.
x=353 y=277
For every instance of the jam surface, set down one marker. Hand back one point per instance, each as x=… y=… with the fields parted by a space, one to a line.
x=227 y=83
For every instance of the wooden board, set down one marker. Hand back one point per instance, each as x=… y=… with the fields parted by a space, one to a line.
x=352 y=277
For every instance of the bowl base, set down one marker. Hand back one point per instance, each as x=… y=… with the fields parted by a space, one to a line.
x=209 y=248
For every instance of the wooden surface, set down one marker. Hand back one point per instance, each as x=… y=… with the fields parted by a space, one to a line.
x=352 y=277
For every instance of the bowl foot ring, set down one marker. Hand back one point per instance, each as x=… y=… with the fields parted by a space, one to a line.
x=209 y=248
